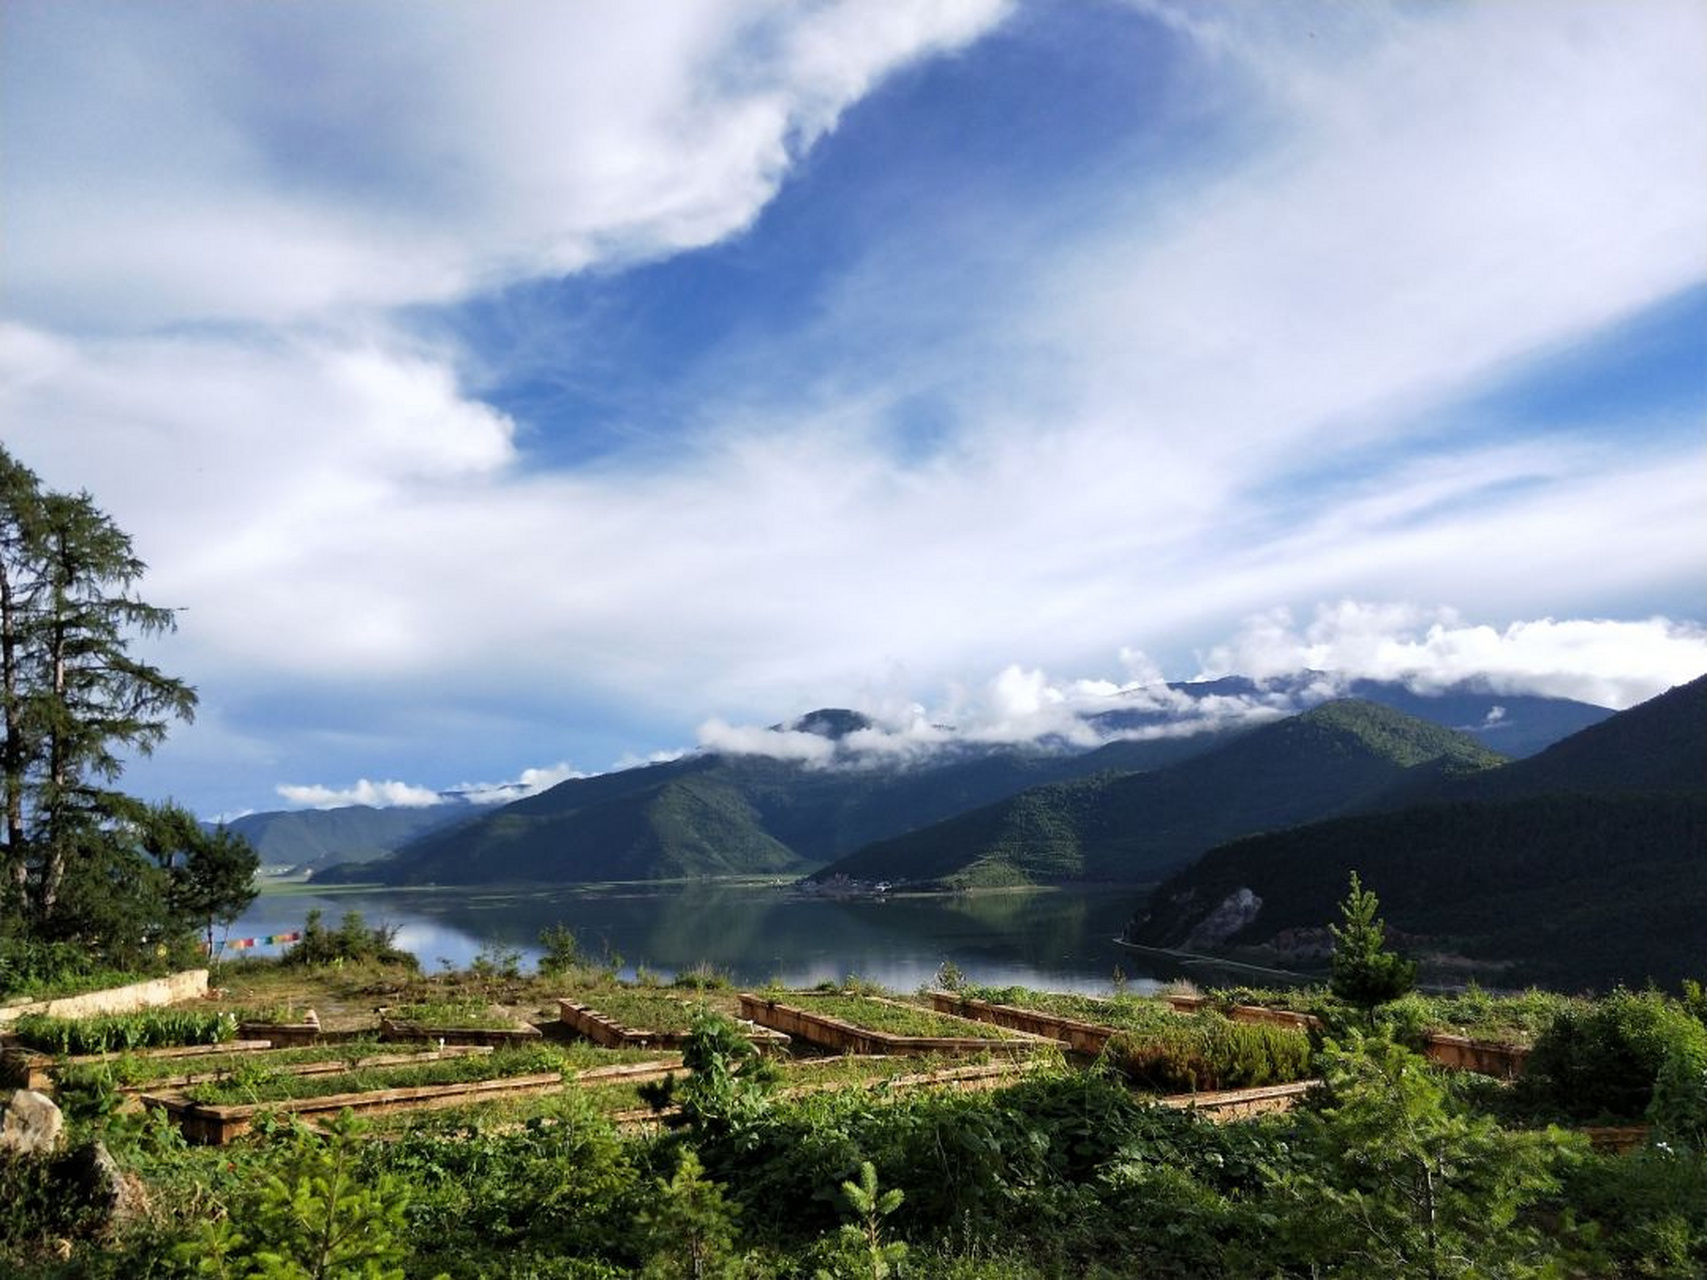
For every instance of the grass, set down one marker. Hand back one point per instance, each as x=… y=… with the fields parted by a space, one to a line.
x=1123 y=1012
x=894 y=1018
x=264 y=1085
x=644 y=1010
x=471 y=1013
x=130 y=1069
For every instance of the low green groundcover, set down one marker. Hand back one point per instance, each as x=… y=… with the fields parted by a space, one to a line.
x=894 y=1018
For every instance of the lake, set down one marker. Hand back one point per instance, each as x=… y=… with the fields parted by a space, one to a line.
x=1055 y=938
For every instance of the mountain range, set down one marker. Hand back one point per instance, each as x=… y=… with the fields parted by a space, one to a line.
x=720 y=813
x=1584 y=864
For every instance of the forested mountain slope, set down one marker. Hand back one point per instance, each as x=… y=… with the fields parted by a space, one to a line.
x=1128 y=827
x=1586 y=864
x=718 y=814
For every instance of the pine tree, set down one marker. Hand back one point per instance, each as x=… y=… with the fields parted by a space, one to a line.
x=75 y=703
x=1365 y=973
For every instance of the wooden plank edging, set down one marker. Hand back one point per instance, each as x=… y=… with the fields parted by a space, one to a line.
x=22 y=1068
x=835 y=1033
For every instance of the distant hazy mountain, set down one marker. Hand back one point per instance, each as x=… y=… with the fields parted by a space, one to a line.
x=1515 y=725
x=1585 y=864
x=1337 y=757
x=357 y=833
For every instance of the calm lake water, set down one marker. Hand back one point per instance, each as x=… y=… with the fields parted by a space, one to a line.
x=1062 y=939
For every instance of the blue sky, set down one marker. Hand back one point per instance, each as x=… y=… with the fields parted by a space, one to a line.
x=504 y=390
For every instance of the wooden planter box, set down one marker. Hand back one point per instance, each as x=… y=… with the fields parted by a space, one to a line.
x=1088 y=1038
x=29 y=1068
x=299 y=1035
x=1235 y=1104
x=308 y=1068
x=1263 y=1016
x=494 y=1036
x=216 y=1125
x=1186 y=1004
x=1616 y=1139
x=1461 y=1053
x=586 y=1021
x=846 y=1037
x=212 y=1125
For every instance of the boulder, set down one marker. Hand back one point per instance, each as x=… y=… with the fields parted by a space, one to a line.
x=90 y=1176
x=30 y=1124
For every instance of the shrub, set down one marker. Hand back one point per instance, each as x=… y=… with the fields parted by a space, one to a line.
x=1209 y=1053
x=1601 y=1061
x=351 y=941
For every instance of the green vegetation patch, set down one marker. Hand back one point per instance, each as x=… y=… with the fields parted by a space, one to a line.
x=1123 y=1012
x=112 y=1033
x=1209 y=1052
x=643 y=1010
x=262 y=1084
x=894 y=1018
x=471 y=1014
x=130 y=1069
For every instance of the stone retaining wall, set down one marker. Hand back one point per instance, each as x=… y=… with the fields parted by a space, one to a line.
x=188 y=985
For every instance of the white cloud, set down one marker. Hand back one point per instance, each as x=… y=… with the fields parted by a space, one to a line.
x=530 y=782
x=378 y=794
x=279 y=163
x=1607 y=662
x=778 y=744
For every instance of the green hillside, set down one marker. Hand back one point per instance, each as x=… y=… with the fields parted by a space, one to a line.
x=714 y=814
x=1586 y=864
x=683 y=824
x=1128 y=827
x=355 y=833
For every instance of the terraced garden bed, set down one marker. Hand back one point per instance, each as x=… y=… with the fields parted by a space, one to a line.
x=872 y=1024
x=623 y=1019
x=1237 y=1104
x=32 y=1069
x=214 y=1116
x=454 y=1023
x=132 y=1076
x=1084 y=1023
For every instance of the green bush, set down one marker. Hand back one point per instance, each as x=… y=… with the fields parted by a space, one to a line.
x=35 y=970
x=351 y=942
x=1209 y=1053
x=1600 y=1061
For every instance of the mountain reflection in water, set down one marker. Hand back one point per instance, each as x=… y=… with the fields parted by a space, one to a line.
x=1061 y=938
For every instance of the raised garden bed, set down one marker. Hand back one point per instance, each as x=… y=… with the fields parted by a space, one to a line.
x=1256 y=1013
x=265 y=1063
x=290 y=1035
x=885 y=1027
x=1460 y=1053
x=32 y=1069
x=663 y=1026
x=1084 y=1023
x=517 y=1033
x=215 y=1124
x=1236 y=1104
x=147 y=994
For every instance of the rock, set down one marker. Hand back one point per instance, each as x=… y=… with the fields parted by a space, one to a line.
x=89 y=1175
x=1235 y=912
x=30 y=1124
